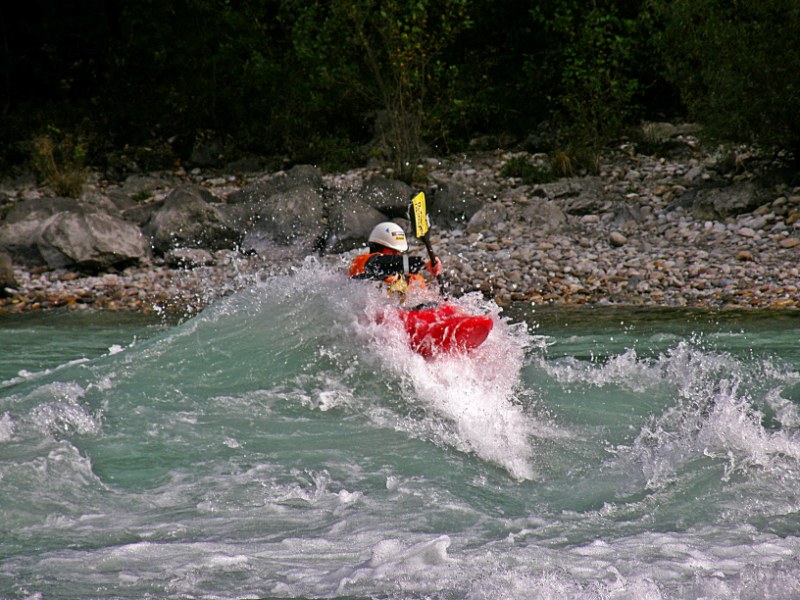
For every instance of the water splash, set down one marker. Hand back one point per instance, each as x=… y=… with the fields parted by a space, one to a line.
x=282 y=444
x=465 y=400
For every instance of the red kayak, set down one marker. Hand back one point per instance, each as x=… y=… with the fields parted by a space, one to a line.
x=444 y=328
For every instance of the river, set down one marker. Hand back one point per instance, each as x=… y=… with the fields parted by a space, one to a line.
x=281 y=444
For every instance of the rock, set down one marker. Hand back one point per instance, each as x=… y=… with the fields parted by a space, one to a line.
x=291 y=217
x=617 y=239
x=686 y=200
x=7 y=278
x=135 y=189
x=746 y=232
x=187 y=221
x=758 y=222
x=284 y=181
x=626 y=216
x=246 y=164
x=142 y=184
x=389 y=196
x=256 y=193
x=568 y=188
x=19 y=241
x=142 y=213
x=90 y=242
x=487 y=218
x=543 y=215
x=452 y=205
x=349 y=224
x=303 y=176
x=693 y=174
x=719 y=203
x=38 y=209
x=122 y=201
x=667 y=258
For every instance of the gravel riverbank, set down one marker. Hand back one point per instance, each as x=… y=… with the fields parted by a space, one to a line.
x=637 y=234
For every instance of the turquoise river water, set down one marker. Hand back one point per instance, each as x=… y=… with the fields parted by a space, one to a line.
x=282 y=445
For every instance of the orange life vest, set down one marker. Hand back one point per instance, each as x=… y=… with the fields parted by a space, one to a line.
x=358 y=266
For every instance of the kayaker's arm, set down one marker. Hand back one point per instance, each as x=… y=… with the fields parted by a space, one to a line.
x=381 y=266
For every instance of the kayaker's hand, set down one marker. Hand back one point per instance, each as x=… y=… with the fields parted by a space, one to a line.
x=436 y=268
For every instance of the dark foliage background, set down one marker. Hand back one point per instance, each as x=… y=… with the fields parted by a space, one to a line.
x=336 y=82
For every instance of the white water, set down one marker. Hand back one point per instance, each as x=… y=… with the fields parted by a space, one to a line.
x=282 y=444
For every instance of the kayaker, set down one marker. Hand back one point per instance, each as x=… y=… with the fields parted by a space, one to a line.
x=387 y=262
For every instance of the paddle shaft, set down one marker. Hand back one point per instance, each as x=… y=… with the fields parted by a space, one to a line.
x=433 y=259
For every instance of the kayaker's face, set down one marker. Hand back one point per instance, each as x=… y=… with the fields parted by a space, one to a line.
x=390 y=251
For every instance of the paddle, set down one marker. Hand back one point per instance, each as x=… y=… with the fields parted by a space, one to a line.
x=418 y=215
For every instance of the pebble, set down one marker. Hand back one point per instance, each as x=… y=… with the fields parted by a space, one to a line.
x=664 y=257
x=617 y=239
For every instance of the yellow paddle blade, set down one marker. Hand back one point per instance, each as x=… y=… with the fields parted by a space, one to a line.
x=420 y=214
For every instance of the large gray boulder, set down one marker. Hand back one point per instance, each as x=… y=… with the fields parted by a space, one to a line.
x=19 y=240
x=305 y=176
x=350 y=222
x=389 y=196
x=292 y=217
x=186 y=220
x=543 y=215
x=720 y=203
x=452 y=205
x=487 y=218
x=38 y=209
x=90 y=241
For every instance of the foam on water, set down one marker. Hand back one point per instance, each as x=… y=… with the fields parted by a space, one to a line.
x=718 y=413
x=466 y=400
x=715 y=424
x=282 y=443
x=322 y=340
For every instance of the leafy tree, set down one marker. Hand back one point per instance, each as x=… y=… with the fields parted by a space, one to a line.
x=592 y=65
x=387 y=52
x=737 y=66
x=191 y=64
x=305 y=79
x=487 y=88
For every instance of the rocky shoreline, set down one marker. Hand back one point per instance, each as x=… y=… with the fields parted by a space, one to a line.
x=697 y=228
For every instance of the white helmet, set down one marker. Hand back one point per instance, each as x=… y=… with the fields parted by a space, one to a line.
x=390 y=235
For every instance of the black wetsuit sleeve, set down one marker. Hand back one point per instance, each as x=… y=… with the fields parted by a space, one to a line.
x=382 y=266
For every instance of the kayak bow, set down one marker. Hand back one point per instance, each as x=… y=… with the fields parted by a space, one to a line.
x=444 y=329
